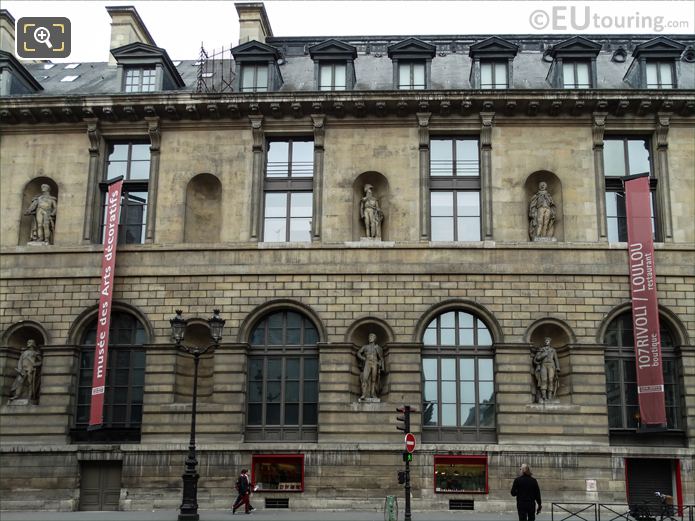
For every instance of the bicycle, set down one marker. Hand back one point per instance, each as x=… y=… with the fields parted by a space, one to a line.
x=647 y=511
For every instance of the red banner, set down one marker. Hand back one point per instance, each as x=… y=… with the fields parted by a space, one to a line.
x=108 y=268
x=645 y=311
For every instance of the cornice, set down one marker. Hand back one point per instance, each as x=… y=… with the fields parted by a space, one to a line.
x=358 y=104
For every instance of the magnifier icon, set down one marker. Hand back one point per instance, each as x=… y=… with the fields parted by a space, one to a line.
x=43 y=35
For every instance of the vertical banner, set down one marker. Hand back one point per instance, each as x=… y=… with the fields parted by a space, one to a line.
x=108 y=267
x=645 y=311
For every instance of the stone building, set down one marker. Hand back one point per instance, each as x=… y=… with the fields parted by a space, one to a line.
x=244 y=176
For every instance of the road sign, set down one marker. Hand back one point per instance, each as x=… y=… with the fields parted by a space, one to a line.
x=410 y=442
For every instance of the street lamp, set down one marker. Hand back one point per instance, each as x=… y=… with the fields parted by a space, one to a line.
x=189 y=505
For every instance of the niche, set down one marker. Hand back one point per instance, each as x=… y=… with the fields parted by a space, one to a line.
x=31 y=190
x=203 y=220
x=561 y=337
x=380 y=189
x=358 y=335
x=197 y=334
x=555 y=191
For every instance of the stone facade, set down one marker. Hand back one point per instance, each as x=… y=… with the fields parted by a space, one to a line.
x=571 y=288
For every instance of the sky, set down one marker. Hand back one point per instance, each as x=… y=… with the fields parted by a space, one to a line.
x=181 y=27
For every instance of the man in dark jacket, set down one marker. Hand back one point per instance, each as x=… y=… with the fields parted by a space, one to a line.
x=527 y=493
x=243 y=486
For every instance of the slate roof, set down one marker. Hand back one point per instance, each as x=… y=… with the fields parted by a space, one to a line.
x=451 y=64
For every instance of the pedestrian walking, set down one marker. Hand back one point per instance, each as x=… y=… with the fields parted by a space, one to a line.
x=527 y=493
x=243 y=487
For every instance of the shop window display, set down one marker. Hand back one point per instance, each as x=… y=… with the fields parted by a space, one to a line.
x=460 y=474
x=278 y=472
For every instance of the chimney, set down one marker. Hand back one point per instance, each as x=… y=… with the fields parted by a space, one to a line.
x=126 y=27
x=7 y=24
x=253 y=22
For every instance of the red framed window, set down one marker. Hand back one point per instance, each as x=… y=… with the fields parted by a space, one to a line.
x=274 y=472
x=457 y=474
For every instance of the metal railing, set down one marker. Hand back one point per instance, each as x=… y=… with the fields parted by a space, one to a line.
x=621 y=512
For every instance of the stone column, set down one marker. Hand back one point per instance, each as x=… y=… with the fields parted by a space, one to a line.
x=663 y=192
x=153 y=130
x=91 y=202
x=423 y=122
x=486 y=119
x=257 y=174
x=598 y=127
x=318 y=121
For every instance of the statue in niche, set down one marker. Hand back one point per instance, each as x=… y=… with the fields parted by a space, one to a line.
x=541 y=213
x=546 y=370
x=25 y=388
x=43 y=207
x=372 y=359
x=371 y=213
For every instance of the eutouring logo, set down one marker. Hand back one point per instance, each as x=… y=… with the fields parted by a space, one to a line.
x=583 y=18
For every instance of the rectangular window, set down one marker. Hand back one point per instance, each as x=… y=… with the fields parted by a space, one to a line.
x=140 y=79
x=288 y=193
x=493 y=75
x=254 y=77
x=132 y=161
x=622 y=157
x=455 y=189
x=576 y=75
x=622 y=398
x=332 y=76
x=660 y=75
x=411 y=76
x=460 y=474
x=458 y=392
x=124 y=388
x=273 y=472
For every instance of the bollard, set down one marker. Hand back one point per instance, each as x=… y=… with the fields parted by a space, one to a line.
x=390 y=509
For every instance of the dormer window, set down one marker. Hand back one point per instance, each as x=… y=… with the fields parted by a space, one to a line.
x=332 y=76
x=493 y=75
x=139 y=79
x=15 y=78
x=257 y=68
x=575 y=75
x=654 y=64
x=412 y=63
x=492 y=63
x=411 y=75
x=145 y=68
x=574 y=64
x=254 y=77
x=334 y=67
x=660 y=75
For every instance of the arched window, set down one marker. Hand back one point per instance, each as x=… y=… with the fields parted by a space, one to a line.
x=125 y=377
x=621 y=376
x=458 y=379
x=283 y=379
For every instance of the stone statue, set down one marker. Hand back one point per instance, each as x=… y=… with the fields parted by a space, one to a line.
x=371 y=213
x=372 y=358
x=546 y=369
x=26 y=384
x=43 y=207
x=541 y=213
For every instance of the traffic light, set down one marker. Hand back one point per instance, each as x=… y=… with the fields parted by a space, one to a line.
x=405 y=411
x=407 y=456
x=401 y=477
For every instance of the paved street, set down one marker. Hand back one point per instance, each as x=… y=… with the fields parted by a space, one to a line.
x=258 y=515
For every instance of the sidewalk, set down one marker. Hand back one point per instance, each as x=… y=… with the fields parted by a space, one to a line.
x=260 y=515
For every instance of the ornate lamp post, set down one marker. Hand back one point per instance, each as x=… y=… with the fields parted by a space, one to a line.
x=189 y=505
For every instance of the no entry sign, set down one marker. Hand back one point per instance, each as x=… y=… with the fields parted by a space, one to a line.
x=410 y=442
